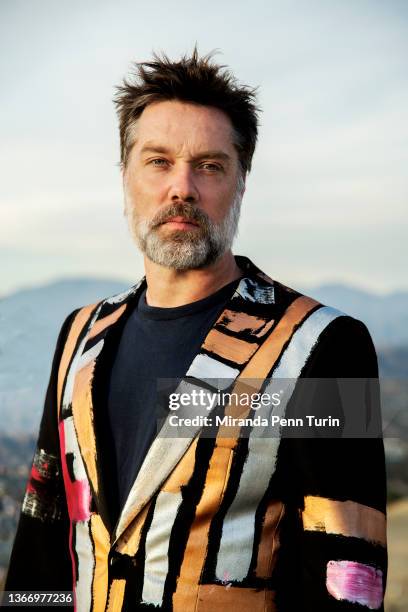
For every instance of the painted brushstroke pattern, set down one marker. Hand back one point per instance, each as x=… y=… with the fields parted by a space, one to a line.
x=244 y=324
x=253 y=291
x=157 y=547
x=346 y=518
x=204 y=367
x=86 y=565
x=303 y=342
x=77 y=488
x=43 y=499
x=214 y=598
x=124 y=295
x=73 y=368
x=239 y=523
x=355 y=582
x=228 y=347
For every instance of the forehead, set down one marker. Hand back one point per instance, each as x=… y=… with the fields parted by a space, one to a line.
x=182 y=124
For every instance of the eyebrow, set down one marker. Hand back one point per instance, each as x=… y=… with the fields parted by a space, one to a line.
x=213 y=154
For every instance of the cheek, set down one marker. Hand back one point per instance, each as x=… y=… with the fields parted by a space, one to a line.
x=143 y=194
x=152 y=187
x=217 y=200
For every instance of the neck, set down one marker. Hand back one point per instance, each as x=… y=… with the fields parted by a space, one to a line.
x=168 y=288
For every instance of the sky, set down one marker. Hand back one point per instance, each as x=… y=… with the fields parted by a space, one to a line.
x=327 y=198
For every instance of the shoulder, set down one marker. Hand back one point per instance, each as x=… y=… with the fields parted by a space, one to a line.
x=83 y=318
x=341 y=345
x=340 y=326
x=344 y=349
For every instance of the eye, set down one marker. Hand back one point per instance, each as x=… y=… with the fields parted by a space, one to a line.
x=211 y=167
x=158 y=162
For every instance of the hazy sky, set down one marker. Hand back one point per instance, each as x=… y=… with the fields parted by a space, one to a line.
x=327 y=198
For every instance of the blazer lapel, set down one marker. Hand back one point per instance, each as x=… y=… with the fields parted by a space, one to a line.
x=78 y=392
x=236 y=335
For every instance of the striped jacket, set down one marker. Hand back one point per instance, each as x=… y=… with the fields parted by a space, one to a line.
x=243 y=523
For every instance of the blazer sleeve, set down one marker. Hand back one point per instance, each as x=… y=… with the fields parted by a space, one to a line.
x=40 y=557
x=336 y=486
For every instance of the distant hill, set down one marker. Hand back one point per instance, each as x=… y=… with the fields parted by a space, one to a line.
x=386 y=316
x=30 y=320
x=29 y=324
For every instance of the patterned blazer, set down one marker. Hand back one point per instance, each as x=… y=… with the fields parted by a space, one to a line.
x=232 y=522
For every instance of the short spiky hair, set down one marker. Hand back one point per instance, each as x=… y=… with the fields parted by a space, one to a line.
x=191 y=79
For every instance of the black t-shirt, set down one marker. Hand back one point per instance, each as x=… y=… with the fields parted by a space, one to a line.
x=155 y=343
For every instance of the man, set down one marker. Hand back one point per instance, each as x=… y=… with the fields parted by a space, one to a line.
x=134 y=520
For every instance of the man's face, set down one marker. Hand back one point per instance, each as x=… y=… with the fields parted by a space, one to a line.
x=183 y=185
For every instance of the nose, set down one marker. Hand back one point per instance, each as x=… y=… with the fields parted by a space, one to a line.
x=182 y=186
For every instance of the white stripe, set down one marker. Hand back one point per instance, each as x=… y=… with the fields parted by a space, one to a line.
x=204 y=367
x=157 y=547
x=236 y=544
x=69 y=385
x=86 y=561
x=253 y=291
x=303 y=341
x=235 y=552
x=119 y=297
x=71 y=446
x=90 y=355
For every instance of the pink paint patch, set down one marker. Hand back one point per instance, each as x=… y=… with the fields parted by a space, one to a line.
x=355 y=582
x=78 y=492
x=79 y=500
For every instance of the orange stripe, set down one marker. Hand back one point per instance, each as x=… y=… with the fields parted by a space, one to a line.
x=182 y=473
x=185 y=596
x=346 y=518
x=83 y=420
x=265 y=329
x=100 y=538
x=116 y=595
x=269 y=541
x=78 y=323
x=237 y=409
x=241 y=321
x=214 y=598
x=252 y=376
x=263 y=361
x=219 y=468
x=129 y=541
x=101 y=324
x=228 y=347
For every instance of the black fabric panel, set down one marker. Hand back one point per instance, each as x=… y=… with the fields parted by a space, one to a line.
x=340 y=469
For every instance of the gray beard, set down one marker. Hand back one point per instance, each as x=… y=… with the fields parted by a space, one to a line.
x=184 y=249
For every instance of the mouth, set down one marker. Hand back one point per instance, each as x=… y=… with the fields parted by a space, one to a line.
x=180 y=223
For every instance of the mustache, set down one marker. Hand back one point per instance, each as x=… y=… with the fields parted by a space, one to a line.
x=188 y=212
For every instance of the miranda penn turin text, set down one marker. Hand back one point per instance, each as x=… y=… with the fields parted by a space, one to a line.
x=255 y=421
